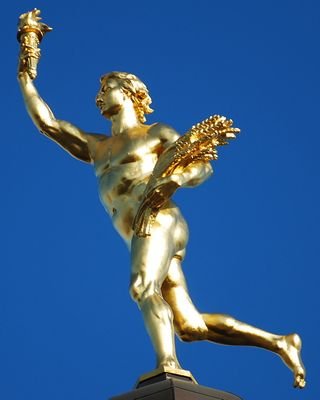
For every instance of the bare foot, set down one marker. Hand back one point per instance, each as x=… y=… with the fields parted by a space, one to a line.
x=289 y=351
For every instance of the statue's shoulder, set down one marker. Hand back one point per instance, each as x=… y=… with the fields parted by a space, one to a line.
x=164 y=132
x=97 y=137
x=96 y=143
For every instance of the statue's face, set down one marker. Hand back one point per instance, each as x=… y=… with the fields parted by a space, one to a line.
x=110 y=97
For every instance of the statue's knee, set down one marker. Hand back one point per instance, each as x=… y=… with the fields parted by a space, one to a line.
x=136 y=291
x=225 y=323
x=222 y=323
x=190 y=333
x=140 y=291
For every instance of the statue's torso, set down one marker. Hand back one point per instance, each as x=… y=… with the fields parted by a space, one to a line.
x=123 y=166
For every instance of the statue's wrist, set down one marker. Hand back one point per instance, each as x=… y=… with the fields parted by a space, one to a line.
x=23 y=76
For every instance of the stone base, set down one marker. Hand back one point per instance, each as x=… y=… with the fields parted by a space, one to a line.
x=166 y=384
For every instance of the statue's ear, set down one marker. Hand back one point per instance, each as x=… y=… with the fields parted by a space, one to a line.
x=140 y=94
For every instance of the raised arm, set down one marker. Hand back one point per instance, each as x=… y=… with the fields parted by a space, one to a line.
x=68 y=136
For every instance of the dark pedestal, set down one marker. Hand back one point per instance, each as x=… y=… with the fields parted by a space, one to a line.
x=168 y=386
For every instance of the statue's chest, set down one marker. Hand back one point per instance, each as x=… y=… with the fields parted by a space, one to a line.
x=128 y=156
x=119 y=151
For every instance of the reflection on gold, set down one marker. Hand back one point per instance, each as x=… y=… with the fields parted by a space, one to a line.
x=138 y=168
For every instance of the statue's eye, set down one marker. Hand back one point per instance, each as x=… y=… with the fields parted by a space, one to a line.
x=105 y=89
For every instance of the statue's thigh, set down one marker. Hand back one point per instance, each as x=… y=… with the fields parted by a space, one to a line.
x=151 y=256
x=187 y=319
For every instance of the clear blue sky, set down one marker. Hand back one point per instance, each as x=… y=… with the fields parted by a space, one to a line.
x=68 y=328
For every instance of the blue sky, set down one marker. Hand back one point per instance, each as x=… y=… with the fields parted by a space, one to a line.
x=68 y=328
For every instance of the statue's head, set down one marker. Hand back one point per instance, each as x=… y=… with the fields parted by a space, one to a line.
x=131 y=86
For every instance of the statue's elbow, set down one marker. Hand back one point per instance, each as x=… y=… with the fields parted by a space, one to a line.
x=46 y=126
x=206 y=172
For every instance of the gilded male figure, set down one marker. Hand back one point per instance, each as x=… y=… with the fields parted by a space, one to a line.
x=124 y=162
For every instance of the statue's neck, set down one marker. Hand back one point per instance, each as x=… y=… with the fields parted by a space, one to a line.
x=126 y=119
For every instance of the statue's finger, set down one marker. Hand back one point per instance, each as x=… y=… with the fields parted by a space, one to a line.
x=35 y=14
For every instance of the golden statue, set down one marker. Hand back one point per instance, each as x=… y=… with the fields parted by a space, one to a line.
x=138 y=168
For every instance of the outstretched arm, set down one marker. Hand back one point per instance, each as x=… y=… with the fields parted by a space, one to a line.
x=68 y=136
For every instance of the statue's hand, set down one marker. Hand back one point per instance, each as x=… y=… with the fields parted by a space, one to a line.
x=152 y=201
x=30 y=34
x=169 y=184
x=162 y=191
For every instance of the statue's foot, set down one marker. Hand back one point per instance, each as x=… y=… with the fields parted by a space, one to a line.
x=289 y=351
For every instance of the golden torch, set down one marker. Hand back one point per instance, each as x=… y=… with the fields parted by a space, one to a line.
x=30 y=34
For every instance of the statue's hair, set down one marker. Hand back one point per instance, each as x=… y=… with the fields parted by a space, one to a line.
x=135 y=89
